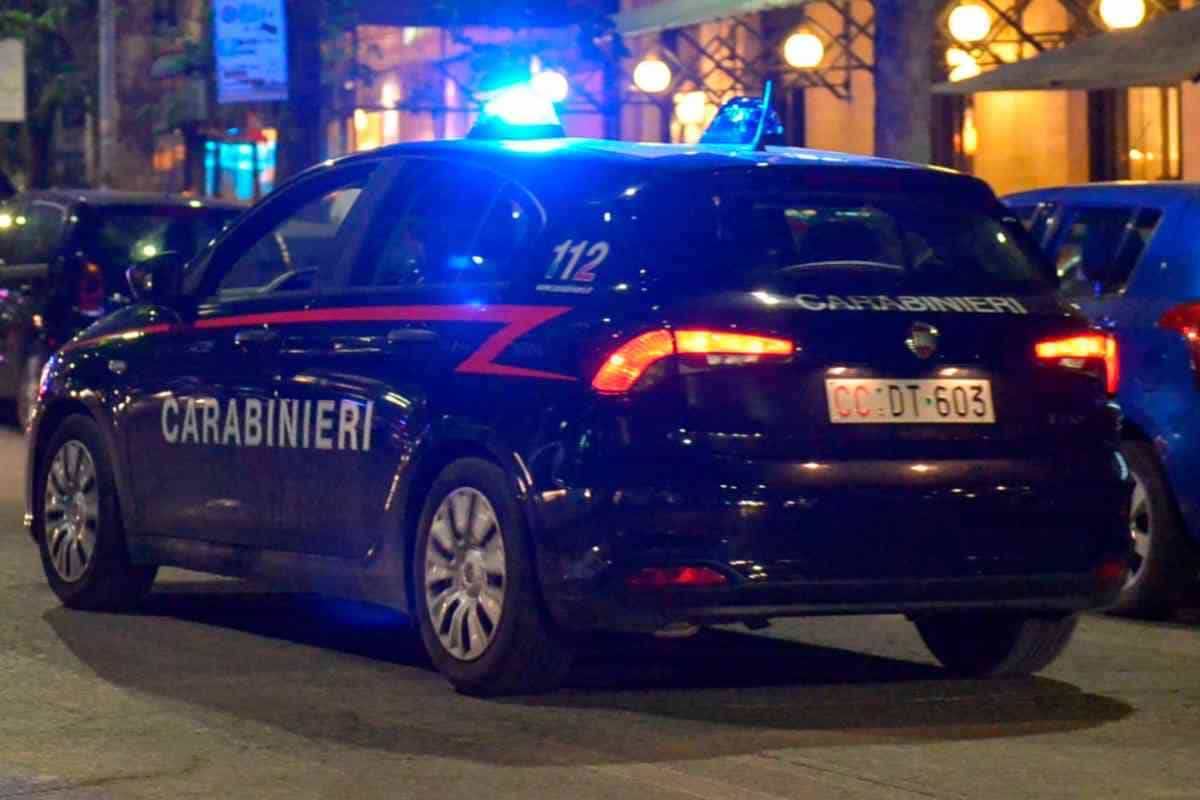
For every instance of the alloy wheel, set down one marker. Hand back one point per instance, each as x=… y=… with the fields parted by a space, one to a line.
x=465 y=573
x=72 y=510
x=1141 y=526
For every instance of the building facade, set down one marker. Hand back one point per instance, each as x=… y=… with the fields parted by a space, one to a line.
x=657 y=70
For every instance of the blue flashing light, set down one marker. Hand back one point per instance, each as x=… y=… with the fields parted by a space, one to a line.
x=518 y=112
x=521 y=105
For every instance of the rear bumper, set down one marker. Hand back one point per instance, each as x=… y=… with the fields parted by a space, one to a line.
x=620 y=609
x=836 y=538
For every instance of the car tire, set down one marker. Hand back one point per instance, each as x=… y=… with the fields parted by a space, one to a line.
x=488 y=632
x=78 y=523
x=28 y=386
x=1165 y=560
x=994 y=644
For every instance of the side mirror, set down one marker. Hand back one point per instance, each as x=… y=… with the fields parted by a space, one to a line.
x=157 y=279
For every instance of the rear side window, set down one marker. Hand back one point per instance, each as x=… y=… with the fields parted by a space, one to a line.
x=457 y=224
x=117 y=236
x=31 y=233
x=1115 y=234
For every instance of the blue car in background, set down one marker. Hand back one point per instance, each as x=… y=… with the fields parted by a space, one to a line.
x=1128 y=255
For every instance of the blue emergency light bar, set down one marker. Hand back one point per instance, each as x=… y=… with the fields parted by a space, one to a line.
x=517 y=112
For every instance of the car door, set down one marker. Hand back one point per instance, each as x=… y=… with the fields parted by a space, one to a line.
x=204 y=433
x=419 y=303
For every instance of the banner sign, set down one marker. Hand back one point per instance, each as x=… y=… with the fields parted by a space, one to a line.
x=250 y=41
x=12 y=80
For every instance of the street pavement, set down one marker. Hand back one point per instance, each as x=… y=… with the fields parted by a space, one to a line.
x=220 y=689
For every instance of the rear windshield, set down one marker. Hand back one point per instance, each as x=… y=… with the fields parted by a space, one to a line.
x=117 y=236
x=907 y=239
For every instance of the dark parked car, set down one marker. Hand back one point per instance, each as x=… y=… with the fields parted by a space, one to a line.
x=1128 y=256
x=63 y=256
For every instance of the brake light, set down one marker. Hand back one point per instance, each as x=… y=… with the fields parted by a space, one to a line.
x=1185 y=320
x=1077 y=352
x=658 y=578
x=623 y=368
x=91 y=290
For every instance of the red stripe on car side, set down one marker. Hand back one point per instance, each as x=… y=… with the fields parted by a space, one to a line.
x=516 y=321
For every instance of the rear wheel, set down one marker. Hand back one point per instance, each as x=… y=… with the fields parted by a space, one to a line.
x=1164 y=561
x=478 y=607
x=79 y=528
x=990 y=644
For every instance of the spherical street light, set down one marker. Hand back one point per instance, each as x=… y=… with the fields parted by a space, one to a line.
x=966 y=69
x=804 y=50
x=551 y=85
x=956 y=56
x=1119 y=14
x=652 y=76
x=691 y=108
x=970 y=22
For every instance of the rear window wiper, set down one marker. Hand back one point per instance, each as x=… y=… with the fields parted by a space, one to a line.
x=880 y=266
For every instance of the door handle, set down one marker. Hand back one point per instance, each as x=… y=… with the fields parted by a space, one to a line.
x=412 y=336
x=254 y=336
x=201 y=347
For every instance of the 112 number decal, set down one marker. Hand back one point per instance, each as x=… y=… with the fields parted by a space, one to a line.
x=567 y=256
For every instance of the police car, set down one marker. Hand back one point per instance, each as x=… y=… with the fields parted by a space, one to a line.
x=523 y=389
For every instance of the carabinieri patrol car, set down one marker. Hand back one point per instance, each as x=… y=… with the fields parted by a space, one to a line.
x=526 y=388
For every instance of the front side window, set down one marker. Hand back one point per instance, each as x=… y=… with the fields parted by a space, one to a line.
x=457 y=225
x=296 y=253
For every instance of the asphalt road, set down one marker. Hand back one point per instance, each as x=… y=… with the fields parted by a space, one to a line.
x=218 y=689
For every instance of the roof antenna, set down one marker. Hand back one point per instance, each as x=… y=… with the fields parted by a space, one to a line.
x=762 y=117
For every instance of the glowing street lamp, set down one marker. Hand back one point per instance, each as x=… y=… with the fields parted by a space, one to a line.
x=956 y=56
x=1118 y=14
x=804 y=50
x=652 y=76
x=970 y=22
x=691 y=108
x=967 y=68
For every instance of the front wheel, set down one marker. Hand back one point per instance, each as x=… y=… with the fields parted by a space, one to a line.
x=993 y=644
x=477 y=603
x=79 y=529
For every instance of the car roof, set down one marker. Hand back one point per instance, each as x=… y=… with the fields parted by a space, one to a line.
x=111 y=197
x=539 y=160
x=1160 y=189
x=665 y=156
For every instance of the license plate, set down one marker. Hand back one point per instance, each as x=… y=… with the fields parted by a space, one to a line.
x=882 y=401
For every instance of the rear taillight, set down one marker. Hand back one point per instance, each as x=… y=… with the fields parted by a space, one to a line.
x=91 y=290
x=1087 y=351
x=1185 y=320
x=622 y=369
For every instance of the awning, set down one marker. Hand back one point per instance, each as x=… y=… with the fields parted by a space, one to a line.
x=1163 y=52
x=681 y=13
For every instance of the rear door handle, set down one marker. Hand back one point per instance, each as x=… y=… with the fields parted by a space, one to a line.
x=412 y=336
x=254 y=336
x=202 y=346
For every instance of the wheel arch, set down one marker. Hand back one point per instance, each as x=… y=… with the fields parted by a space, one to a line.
x=436 y=451
x=52 y=415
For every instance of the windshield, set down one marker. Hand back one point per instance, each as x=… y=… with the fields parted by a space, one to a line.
x=117 y=236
